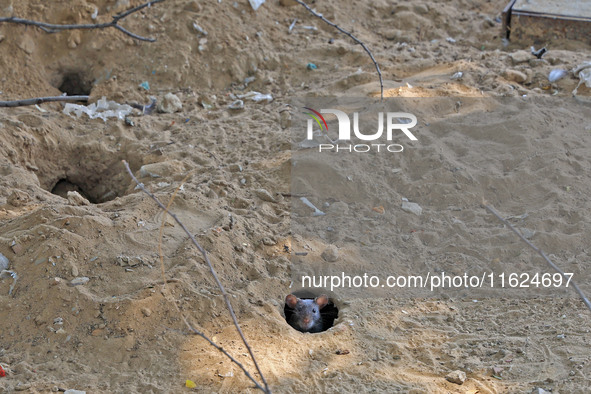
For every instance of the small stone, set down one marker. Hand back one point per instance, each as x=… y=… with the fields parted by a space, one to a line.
x=457 y=377
x=82 y=280
x=539 y=390
x=235 y=167
x=515 y=76
x=170 y=104
x=60 y=331
x=16 y=248
x=74 y=271
x=18 y=198
x=146 y=312
x=412 y=207
x=330 y=254
x=520 y=57
x=264 y=195
x=72 y=391
x=74 y=198
x=269 y=242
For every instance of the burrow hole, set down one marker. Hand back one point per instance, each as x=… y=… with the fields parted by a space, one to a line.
x=74 y=83
x=328 y=314
x=89 y=169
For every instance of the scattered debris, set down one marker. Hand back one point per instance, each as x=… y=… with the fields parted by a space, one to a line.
x=199 y=29
x=539 y=53
x=311 y=66
x=317 y=212
x=4 y=262
x=236 y=104
x=264 y=195
x=145 y=85
x=457 y=76
x=583 y=71
x=190 y=384
x=256 y=97
x=255 y=4
x=556 y=75
x=102 y=109
x=9 y=274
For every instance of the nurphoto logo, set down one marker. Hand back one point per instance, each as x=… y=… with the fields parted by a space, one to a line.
x=396 y=122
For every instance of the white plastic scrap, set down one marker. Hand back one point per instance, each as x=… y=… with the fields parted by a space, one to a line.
x=317 y=212
x=9 y=274
x=256 y=97
x=255 y=4
x=584 y=73
x=101 y=109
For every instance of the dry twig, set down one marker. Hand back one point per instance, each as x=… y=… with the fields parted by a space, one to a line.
x=266 y=388
x=316 y=14
x=41 y=100
x=540 y=252
x=52 y=28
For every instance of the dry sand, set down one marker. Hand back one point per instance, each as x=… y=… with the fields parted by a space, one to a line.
x=120 y=333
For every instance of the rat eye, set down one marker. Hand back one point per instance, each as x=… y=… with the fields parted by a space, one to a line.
x=314 y=310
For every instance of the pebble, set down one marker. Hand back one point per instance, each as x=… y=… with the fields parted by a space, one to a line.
x=520 y=57
x=146 y=312
x=75 y=198
x=72 y=391
x=162 y=169
x=330 y=254
x=539 y=390
x=515 y=76
x=18 y=198
x=82 y=280
x=4 y=262
x=264 y=195
x=457 y=377
x=170 y=104
x=412 y=207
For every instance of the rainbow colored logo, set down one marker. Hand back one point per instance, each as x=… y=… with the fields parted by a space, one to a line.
x=315 y=115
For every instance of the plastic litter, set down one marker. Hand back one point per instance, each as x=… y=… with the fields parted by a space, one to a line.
x=237 y=104
x=2 y=373
x=145 y=85
x=9 y=274
x=4 y=262
x=311 y=66
x=556 y=74
x=457 y=76
x=255 y=4
x=584 y=73
x=256 y=97
x=102 y=109
x=317 y=212
x=190 y=384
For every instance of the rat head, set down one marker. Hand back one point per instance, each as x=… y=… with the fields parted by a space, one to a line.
x=306 y=315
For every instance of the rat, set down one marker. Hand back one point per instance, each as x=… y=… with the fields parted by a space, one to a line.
x=306 y=313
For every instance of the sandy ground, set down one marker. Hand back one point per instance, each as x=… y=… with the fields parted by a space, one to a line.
x=121 y=332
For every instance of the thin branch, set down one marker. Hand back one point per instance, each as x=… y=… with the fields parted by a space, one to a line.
x=52 y=28
x=541 y=253
x=41 y=100
x=214 y=274
x=352 y=37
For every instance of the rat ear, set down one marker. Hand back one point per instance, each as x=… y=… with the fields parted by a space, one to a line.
x=321 y=300
x=291 y=301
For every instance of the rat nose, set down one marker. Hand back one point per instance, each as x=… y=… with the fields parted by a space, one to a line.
x=306 y=320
